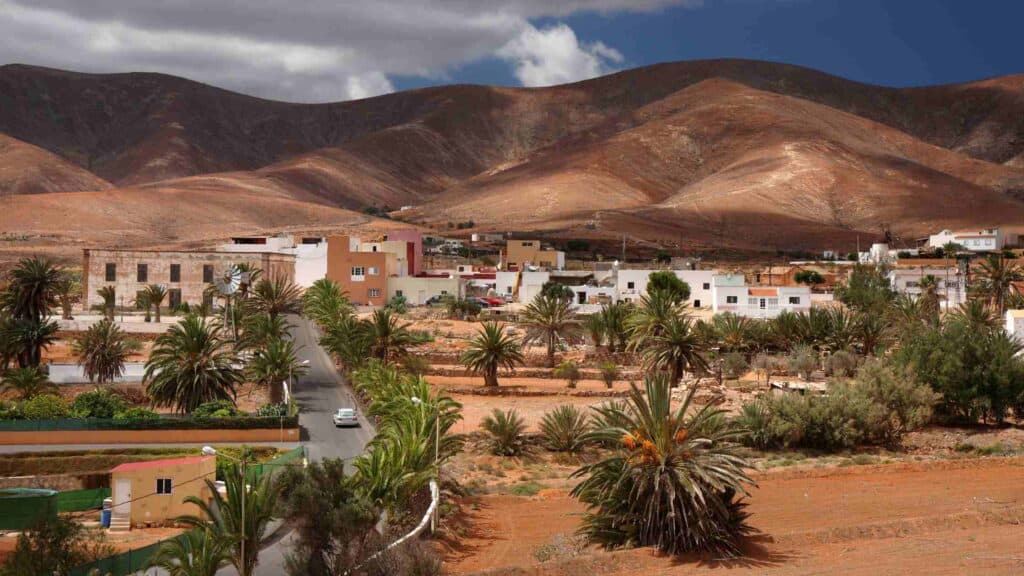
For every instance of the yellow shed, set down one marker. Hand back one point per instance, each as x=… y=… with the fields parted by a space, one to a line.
x=153 y=492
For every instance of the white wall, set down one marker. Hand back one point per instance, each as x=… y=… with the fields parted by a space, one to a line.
x=417 y=290
x=1015 y=325
x=74 y=374
x=951 y=287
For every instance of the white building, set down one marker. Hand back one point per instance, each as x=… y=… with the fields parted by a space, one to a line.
x=731 y=294
x=310 y=253
x=950 y=283
x=632 y=284
x=984 y=240
x=418 y=289
x=1015 y=325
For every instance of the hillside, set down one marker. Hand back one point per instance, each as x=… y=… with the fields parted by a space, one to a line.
x=750 y=154
x=28 y=169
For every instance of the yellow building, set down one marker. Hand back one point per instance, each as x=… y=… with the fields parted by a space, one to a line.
x=523 y=253
x=154 y=492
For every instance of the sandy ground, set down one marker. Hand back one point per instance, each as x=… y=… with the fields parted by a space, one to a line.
x=961 y=517
x=530 y=408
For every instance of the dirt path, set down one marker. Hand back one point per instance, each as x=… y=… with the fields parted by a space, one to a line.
x=936 y=518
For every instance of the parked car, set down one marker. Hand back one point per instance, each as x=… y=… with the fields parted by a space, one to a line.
x=482 y=302
x=495 y=301
x=345 y=417
x=436 y=301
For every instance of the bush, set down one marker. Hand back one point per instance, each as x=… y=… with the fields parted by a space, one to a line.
x=803 y=361
x=609 y=373
x=570 y=371
x=754 y=420
x=842 y=363
x=563 y=429
x=46 y=407
x=734 y=364
x=415 y=365
x=272 y=410
x=216 y=409
x=505 y=431
x=398 y=304
x=136 y=413
x=900 y=402
x=10 y=411
x=97 y=404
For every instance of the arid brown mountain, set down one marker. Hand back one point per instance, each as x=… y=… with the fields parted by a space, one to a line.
x=740 y=153
x=28 y=169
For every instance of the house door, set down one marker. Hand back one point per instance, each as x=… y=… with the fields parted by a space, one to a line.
x=581 y=297
x=762 y=303
x=175 y=298
x=123 y=496
x=421 y=297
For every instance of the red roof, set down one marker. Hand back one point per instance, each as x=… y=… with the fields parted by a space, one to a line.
x=763 y=292
x=159 y=463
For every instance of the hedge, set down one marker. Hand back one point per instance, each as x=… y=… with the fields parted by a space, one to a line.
x=187 y=423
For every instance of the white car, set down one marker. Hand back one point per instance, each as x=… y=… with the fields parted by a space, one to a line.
x=345 y=417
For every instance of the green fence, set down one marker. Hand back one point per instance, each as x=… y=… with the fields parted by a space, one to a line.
x=122 y=564
x=293 y=457
x=22 y=508
x=79 y=500
x=163 y=423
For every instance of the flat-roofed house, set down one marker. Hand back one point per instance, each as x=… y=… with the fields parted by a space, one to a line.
x=154 y=492
x=521 y=254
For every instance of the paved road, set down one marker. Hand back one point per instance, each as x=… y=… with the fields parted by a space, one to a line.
x=319 y=393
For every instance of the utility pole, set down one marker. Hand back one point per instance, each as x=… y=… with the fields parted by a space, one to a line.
x=623 y=248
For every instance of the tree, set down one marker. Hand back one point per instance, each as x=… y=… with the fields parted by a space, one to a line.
x=614 y=318
x=54 y=545
x=347 y=339
x=155 y=295
x=733 y=331
x=674 y=349
x=996 y=276
x=671 y=482
x=32 y=289
x=274 y=364
x=194 y=553
x=389 y=337
x=68 y=291
x=325 y=302
x=547 y=320
x=593 y=325
x=930 y=298
x=490 y=350
x=667 y=281
x=809 y=277
x=556 y=291
x=275 y=297
x=333 y=523
x=26 y=338
x=191 y=364
x=647 y=320
x=259 y=330
x=108 y=295
x=103 y=350
x=866 y=289
x=27 y=382
x=221 y=515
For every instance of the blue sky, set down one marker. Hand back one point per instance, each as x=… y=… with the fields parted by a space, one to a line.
x=893 y=43
x=324 y=50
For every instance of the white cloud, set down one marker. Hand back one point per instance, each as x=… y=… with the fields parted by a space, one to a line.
x=555 y=56
x=313 y=50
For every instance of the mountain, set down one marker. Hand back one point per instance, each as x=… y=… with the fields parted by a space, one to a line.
x=754 y=155
x=28 y=169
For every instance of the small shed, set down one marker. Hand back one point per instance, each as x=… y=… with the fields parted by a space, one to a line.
x=154 y=492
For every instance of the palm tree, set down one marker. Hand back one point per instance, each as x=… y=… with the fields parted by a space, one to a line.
x=614 y=317
x=258 y=330
x=996 y=276
x=68 y=291
x=733 y=331
x=676 y=347
x=274 y=364
x=977 y=316
x=276 y=297
x=26 y=382
x=32 y=288
x=325 y=301
x=348 y=339
x=389 y=337
x=548 y=319
x=26 y=338
x=109 y=297
x=103 y=350
x=194 y=553
x=191 y=364
x=222 y=515
x=930 y=298
x=155 y=294
x=595 y=329
x=490 y=350
x=871 y=331
x=647 y=320
x=842 y=329
x=673 y=480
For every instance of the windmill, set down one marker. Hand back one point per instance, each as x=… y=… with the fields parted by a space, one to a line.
x=227 y=283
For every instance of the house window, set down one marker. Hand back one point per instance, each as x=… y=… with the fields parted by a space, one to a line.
x=174 y=295
x=358 y=271
x=142 y=273
x=208 y=273
x=527 y=244
x=398 y=293
x=707 y=286
x=111 y=272
x=794 y=300
x=731 y=300
x=373 y=249
x=372 y=271
x=444 y=292
x=772 y=303
x=163 y=485
x=373 y=293
x=175 y=272
x=630 y=285
x=696 y=303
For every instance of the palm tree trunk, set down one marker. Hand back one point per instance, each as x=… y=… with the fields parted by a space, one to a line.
x=276 y=393
x=551 y=351
x=157 y=312
x=491 y=376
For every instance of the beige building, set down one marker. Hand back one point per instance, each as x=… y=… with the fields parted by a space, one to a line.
x=154 y=492
x=418 y=289
x=523 y=253
x=185 y=274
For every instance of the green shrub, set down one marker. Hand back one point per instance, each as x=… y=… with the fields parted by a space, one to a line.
x=505 y=432
x=46 y=407
x=734 y=364
x=415 y=365
x=97 y=404
x=754 y=420
x=842 y=363
x=136 y=413
x=527 y=489
x=609 y=373
x=803 y=361
x=570 y=371
x=216 y=409
x=564 y=429
x=398 y=304
x=272 y=410
x=10 y=411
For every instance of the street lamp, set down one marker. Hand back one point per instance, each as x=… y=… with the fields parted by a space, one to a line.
x=211 y=451
x=437 y=456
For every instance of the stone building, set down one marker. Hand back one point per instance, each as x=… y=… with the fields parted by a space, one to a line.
x=185 y=274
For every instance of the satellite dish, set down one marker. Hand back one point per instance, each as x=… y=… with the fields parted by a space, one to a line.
x=228 y=281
